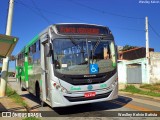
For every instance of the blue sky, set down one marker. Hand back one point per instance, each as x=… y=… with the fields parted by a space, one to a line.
x=32 y=16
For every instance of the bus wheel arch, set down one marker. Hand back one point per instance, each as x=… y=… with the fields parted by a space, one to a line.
x=37 y=90
x=38 y=93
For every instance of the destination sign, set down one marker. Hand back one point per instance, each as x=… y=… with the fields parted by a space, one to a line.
x=81 y=29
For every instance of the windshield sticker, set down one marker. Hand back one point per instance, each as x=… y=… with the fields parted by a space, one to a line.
x=75 y=88
x=114 y=65
x=93 y=68
x=64 y=65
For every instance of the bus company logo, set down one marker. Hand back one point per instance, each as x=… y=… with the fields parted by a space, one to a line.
x=89 y=75
x=89 y=80
x=90 y=87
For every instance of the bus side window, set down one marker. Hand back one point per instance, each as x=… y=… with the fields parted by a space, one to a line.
x=30 y=55
x=30 y=50
x=39 y=44
x=22 y=58
x=34 y=48
x=18 y=60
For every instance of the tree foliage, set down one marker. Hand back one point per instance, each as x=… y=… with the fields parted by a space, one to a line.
x=128 y=47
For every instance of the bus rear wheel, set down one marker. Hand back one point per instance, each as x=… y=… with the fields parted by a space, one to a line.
x=37 y=91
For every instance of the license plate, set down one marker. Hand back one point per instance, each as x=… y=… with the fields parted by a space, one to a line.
x=89 y=94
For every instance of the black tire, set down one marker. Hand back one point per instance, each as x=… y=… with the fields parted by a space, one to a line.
x=37 y=91
x=38 y=95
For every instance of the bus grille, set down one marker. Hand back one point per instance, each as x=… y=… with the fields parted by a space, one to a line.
x=82 y=98
x=94 y=80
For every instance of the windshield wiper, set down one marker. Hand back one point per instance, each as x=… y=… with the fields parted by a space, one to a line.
x=94 y=48
x=96 y=45
x=73 y=41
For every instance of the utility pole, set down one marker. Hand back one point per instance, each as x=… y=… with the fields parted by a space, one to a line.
x=147 y=38
x=4 y=76
x=147 y=49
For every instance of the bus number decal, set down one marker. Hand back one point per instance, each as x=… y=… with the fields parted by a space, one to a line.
x=75 y=88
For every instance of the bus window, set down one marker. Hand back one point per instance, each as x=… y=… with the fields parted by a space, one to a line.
x=34 y=48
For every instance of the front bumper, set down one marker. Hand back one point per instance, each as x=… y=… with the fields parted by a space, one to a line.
x=60 y=100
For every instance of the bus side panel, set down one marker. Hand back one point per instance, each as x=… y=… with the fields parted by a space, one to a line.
x=17 y=72
x=20 y=75
x=34 y=67
x=37 y=66
x=30 y=77
x=26 y=70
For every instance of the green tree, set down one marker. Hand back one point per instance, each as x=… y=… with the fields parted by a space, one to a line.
x=128 y=47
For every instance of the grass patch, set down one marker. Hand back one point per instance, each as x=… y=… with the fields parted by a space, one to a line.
x=133 y=89
x=12 y=94
x=151 y=87
x=18 y=99
x=31 y=118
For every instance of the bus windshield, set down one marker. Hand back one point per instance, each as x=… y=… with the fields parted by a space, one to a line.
x=74 y=56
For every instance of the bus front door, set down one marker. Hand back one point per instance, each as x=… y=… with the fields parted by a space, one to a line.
x=45 y=71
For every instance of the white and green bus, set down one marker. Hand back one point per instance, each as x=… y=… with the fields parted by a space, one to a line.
x=70 y=64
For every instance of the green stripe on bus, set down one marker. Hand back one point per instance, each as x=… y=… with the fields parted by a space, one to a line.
x=33 y=41
x=40 y=82
x=26 y=70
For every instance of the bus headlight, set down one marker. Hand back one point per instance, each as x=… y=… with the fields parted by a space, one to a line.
x=113 y=84
x=59 y=87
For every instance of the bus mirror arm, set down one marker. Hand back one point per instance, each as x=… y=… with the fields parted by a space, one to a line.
x=43 y=71
x=50 y=53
